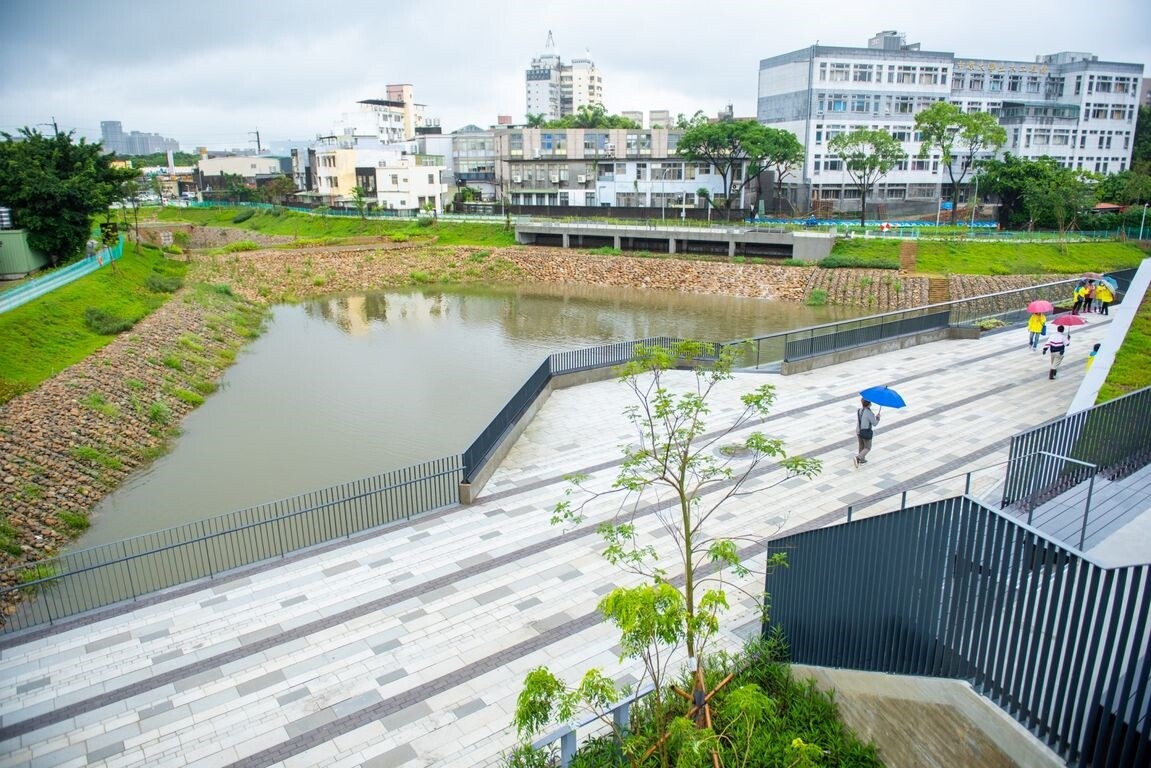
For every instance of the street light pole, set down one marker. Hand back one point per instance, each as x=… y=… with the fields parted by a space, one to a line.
x=974 y=203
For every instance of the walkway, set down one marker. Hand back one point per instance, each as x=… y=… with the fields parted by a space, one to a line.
x=407 y=648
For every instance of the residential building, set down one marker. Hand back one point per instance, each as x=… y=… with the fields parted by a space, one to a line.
x=392 y=119
x=1070 y=106
x=113 y=139
x=624 y=167
x=213 y=172
x=392 y=176
x=1145 y=96
x=555 y=89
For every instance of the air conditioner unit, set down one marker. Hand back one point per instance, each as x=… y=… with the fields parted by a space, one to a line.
x=581 y=178
x=517 y=179
x=555 y=177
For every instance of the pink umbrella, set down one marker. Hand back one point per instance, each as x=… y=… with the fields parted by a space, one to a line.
x=1040 y=307
x=1067 y=320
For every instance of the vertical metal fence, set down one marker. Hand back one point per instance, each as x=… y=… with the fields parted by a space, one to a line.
x=91 y=578
x=1115 y=437
x=954 y=589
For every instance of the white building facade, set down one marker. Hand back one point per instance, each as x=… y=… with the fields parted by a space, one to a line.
x=601 y=167
x=1069 y=106
x=393 y=177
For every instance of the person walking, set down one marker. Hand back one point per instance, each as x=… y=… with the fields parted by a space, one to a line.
x=1056 y=345
x=1104 y=296
x=865 y=423
x=1035 y=327
x=1091 y=357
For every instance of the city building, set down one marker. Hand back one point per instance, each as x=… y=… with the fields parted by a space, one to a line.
x=113 y=139
x=588 y=167
x=395 y=118
x=394 y=177
x=1070 y=106
x=213 y=172
x=555 y=89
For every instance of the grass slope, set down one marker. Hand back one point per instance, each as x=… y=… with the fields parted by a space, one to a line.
x=43 y=337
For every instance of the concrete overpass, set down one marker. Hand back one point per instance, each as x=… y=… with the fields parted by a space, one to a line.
x=730 y=240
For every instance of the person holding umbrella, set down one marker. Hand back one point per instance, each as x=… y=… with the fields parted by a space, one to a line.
x=866 y=420
x=1037 y=323
x=1104 y=294
x=1056 y=345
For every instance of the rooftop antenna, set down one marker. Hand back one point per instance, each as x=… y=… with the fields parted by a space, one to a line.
x=550 y=45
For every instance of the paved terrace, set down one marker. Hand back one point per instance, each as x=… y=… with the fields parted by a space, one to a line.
x=407 y=647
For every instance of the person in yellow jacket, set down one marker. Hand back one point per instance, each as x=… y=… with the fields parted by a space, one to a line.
x=1080 y=296
x=1035 y=325
x=1104 y=296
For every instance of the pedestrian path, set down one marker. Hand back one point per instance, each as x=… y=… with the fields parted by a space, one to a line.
x=407 y=647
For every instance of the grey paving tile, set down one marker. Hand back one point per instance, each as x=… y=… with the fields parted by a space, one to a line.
x=310 y=722
x=259 y=683
x=393 y=758
x=108 y=642
x=335 y=570
x=293 y=695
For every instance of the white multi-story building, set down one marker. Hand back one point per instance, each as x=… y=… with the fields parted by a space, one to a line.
x=1067 y=105
x=626 y=167
x=393 y=177
x=391 y=119
x=555 y=89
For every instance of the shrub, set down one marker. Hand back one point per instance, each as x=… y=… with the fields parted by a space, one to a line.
x=73 y=520
x=859 y=261
x=241 y=245
x=420 y=277
x=105 y=323
x=159 y=413
x=163 y=283
x=817 y=298
x=181 y=239
x=243 y=215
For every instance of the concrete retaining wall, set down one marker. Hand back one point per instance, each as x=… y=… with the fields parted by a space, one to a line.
x=924 y=721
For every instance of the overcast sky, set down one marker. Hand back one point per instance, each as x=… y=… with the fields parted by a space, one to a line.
x=209 y=73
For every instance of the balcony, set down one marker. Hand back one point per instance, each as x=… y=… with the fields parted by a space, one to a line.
x=475 y=176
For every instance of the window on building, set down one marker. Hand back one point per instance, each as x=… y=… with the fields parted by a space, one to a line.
x=1078 y=84
x=1117 y=112
x=929 y=75
x=1103 y=84
x=1015 y=83
x=906 y=75
x=641 y=171
x=995 y=83
x=837 y=102
x=920 y=164
x=861 y=73
x=839 y=73
x=1060 y=138
x=1120 y=85
x=976 y=83
x=817 y=163
x=1033 y=85
x=833 y=164
x=823 y=71
x=861 y=102
x=974 y=106
x=959 y=82
x=431 y=178
x=904 y=105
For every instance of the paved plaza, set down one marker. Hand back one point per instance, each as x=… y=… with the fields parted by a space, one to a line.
x=406 y=647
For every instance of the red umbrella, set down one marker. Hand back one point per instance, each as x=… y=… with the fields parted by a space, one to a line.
x=1067 y=320
x=1040 y=306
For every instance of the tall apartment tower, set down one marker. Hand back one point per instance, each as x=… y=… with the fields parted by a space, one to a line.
x=112 y=136
x=555 y=89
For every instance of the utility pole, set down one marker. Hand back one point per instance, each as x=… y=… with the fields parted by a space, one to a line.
x=259 y=147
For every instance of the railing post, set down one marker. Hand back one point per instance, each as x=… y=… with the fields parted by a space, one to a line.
x=967 y=485
x=1086 y=512
x=567 y=747
x=621 y=717
x=903 y=501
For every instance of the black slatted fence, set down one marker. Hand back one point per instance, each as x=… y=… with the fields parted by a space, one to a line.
x=953 y=589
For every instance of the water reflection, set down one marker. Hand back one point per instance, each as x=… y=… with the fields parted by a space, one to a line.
x=346 y=387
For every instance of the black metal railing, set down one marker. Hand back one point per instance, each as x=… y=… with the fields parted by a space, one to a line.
x=1114 y=437
x=91 y=578
x=954 y=589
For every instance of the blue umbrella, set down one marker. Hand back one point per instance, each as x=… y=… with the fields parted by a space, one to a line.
x=1112 y=283
x=882 y=396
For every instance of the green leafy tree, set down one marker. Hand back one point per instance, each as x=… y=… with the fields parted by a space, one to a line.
x=235 y=189
x=783 y=155
x=685 y=474
x=538 y=120
x=1141 y=146
x=738 y=149
x=868 y=155
x=360 y=201
x=54 y=186
x=959 y=137
x=279 y=189
x=1010 y=178
x=1057 y=197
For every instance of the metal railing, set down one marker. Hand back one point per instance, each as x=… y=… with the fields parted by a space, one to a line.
x=568 y=735
x=953 y=589
x=1114 y=438
x=38 y=286
x=1008 y=307
x=80 y=581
